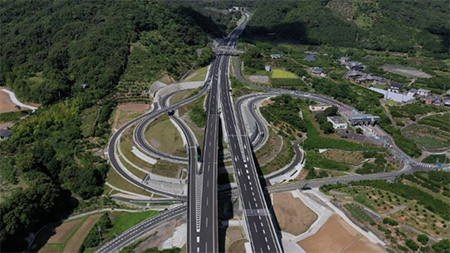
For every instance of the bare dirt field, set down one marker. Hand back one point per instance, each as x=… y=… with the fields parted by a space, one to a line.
x=49 y=250
x=75 y=242
x=159 y=235
x=6 y=105
x=127 y=112
x=292 y=214
x=5 y=124
x=338 y=236
x=238 y=246
x=234 y=235
x=259 y=79
x=63 y=231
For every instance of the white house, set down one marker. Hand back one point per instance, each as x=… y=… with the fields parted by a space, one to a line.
x=338 y=122
x=423 y=92
x=276 y=56
x=268 y=68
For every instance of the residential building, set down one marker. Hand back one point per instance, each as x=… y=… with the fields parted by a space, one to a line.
x=268 y=68
x=388 y=95
x=338 y=122
x=412 y=92
x=447 y=102
x=396 y=87
x=318 y=71
x=276 y=56
x=423 y=92
x=343 y=60
x=353 y=73
x=429 y=100
x=437 y=101
x=5 y=134
x=310 y=58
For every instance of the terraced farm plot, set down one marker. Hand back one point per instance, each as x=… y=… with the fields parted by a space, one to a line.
x=440 y=121
x=279 y=73
x=77 y=239
x=63 y=231
x=428 y=137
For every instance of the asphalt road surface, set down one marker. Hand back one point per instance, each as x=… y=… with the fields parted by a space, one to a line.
x=202 y=213
x=260 y=227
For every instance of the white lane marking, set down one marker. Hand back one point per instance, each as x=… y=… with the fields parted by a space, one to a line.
x=265 y=238
x=250 y=183
x=198 y=239
x=198 y=249
x=253 y=194
x=264 y=231
x=254 y=199
x=262 y=225
x=206 y=222
x=268 y=247
x=256 y=204
x=255 y=227
x=259 y=217
x=248 y=177
x=251 y=188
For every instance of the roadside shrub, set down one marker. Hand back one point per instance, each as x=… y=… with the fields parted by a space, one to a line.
x=390 y=221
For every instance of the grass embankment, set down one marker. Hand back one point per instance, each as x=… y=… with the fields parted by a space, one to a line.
x=88 y=119
x=164 y=136
x=111 y=225
x=123 y=221
x=197 y=113
x=161 y=167
x=180 y=96
x=116 y=180
x=198 y=75
x=283 y=158
x=279 y=73
x=13 y=116
x=240 y=89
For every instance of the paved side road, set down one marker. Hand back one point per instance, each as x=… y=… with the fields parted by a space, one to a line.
x=140 y=229
x=17 y=102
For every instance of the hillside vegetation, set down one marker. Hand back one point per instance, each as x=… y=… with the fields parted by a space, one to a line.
x=48 y=50
x=403 y=26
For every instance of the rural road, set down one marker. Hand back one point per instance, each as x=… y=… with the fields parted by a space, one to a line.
x=17 y=102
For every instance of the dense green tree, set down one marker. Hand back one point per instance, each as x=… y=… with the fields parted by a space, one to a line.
x=423 y=239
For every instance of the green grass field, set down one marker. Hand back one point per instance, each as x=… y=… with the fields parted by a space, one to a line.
x=279 y=73
x=123 y=221
x=198 y=75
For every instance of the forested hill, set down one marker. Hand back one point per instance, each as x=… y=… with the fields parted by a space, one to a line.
x=399 y=25
x=50 y=48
